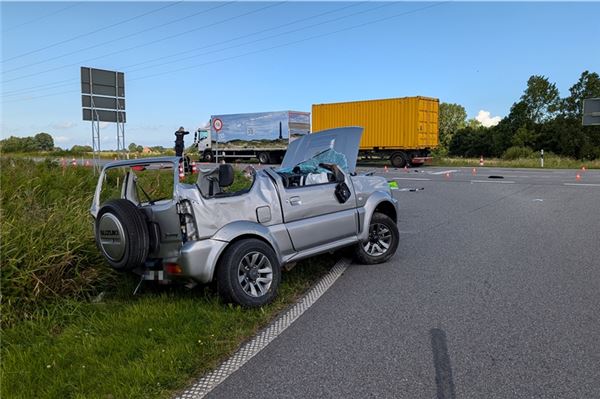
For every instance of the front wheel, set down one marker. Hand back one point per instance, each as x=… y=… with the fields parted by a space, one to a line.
x=263 y=158
x=381 y=243
x=248 y=273
x=208 y=156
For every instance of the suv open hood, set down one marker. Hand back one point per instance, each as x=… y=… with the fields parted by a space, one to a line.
x=344 y=140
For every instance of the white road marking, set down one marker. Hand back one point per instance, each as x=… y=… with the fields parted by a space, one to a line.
x=582 y=184
x=210 y=381
x=443 y=172
x=410 y=178
x=493 y=181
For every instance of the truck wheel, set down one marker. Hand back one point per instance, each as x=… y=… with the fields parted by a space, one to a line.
x=122 y=234
x=248 y=273
x=381 y=243
x=208 y=156
x=263 y=157
x=398 y=160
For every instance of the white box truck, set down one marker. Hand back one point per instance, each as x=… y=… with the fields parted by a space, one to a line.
x=264 y=136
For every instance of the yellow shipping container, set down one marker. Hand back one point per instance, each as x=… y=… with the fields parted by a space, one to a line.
x=408 y=124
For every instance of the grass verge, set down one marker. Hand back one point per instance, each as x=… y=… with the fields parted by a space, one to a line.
x=550 y=162
x=70 y=326
x=150 y=345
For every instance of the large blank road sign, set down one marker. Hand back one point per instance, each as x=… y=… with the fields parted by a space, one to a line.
x=103 y=102
x=102 y=82
x=102 y=95
x=104 y=115
x=591 y=112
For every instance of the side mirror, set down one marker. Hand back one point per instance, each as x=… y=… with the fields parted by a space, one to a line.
x=342 y=192
x=225 y=175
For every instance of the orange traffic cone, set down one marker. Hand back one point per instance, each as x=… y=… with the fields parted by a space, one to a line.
x=481 y=161
x=578 y=177
x=194 y=169
x=406 y=168
x=583 y=168
x=474 y=172
x=74 y=162
x=385 y=168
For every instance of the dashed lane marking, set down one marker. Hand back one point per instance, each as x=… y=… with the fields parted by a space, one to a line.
x=443 y=172
x=582 y=184
x=493 y=181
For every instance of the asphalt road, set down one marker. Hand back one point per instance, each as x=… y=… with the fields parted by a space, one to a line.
x=494 y=293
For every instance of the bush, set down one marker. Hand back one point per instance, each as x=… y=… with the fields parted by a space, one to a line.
x=518 y=152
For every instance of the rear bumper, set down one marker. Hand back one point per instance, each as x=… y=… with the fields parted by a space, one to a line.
x=421 y=160
x=198 y=259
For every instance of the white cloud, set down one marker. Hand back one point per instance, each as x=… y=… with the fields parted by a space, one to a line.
x=61 y=139
x=64 y=125
x=486 y=119
x=104 y=124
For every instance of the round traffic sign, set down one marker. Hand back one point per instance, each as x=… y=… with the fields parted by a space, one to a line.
x=217 y=124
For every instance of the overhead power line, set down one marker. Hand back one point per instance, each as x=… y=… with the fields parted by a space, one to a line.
x=148 y=43
x=67 y=82
x=357 y=26
x=387 y=4
x=92 y=32
x=42 y=17
x=295 y=42
x=47 y=86
x=170 y=56
x=104 y=43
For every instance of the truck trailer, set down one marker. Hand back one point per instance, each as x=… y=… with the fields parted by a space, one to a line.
x=403 y=130
x=264 y=136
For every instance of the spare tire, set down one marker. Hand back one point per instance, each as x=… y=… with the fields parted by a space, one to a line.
x=122 y=234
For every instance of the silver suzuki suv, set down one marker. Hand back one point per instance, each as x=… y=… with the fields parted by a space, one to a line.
x=155 y=220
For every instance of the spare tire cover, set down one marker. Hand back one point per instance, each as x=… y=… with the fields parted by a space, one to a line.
x=122 y=234
x=112 y=238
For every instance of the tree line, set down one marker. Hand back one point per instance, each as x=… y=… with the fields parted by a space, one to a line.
x=44 y=142
x=540 y=119
x=39 y=142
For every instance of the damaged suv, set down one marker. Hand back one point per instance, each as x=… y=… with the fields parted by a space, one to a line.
x=187 y=228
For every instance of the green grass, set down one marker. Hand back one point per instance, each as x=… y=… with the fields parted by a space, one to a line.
x=48 y=250
x=550 y=162
x=145 y=346
x=70 y=325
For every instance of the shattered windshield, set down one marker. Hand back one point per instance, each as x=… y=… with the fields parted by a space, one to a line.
x=311 y=165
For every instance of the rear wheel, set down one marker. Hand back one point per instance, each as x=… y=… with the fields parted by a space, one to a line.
x=263 y=157
x=381 y=243
x=248 y=273
x=398 y=159
x=122 y=234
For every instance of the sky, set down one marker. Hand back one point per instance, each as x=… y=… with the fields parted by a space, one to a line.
x=184 y=61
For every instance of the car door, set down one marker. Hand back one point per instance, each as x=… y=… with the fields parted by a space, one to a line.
x=314 y=216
